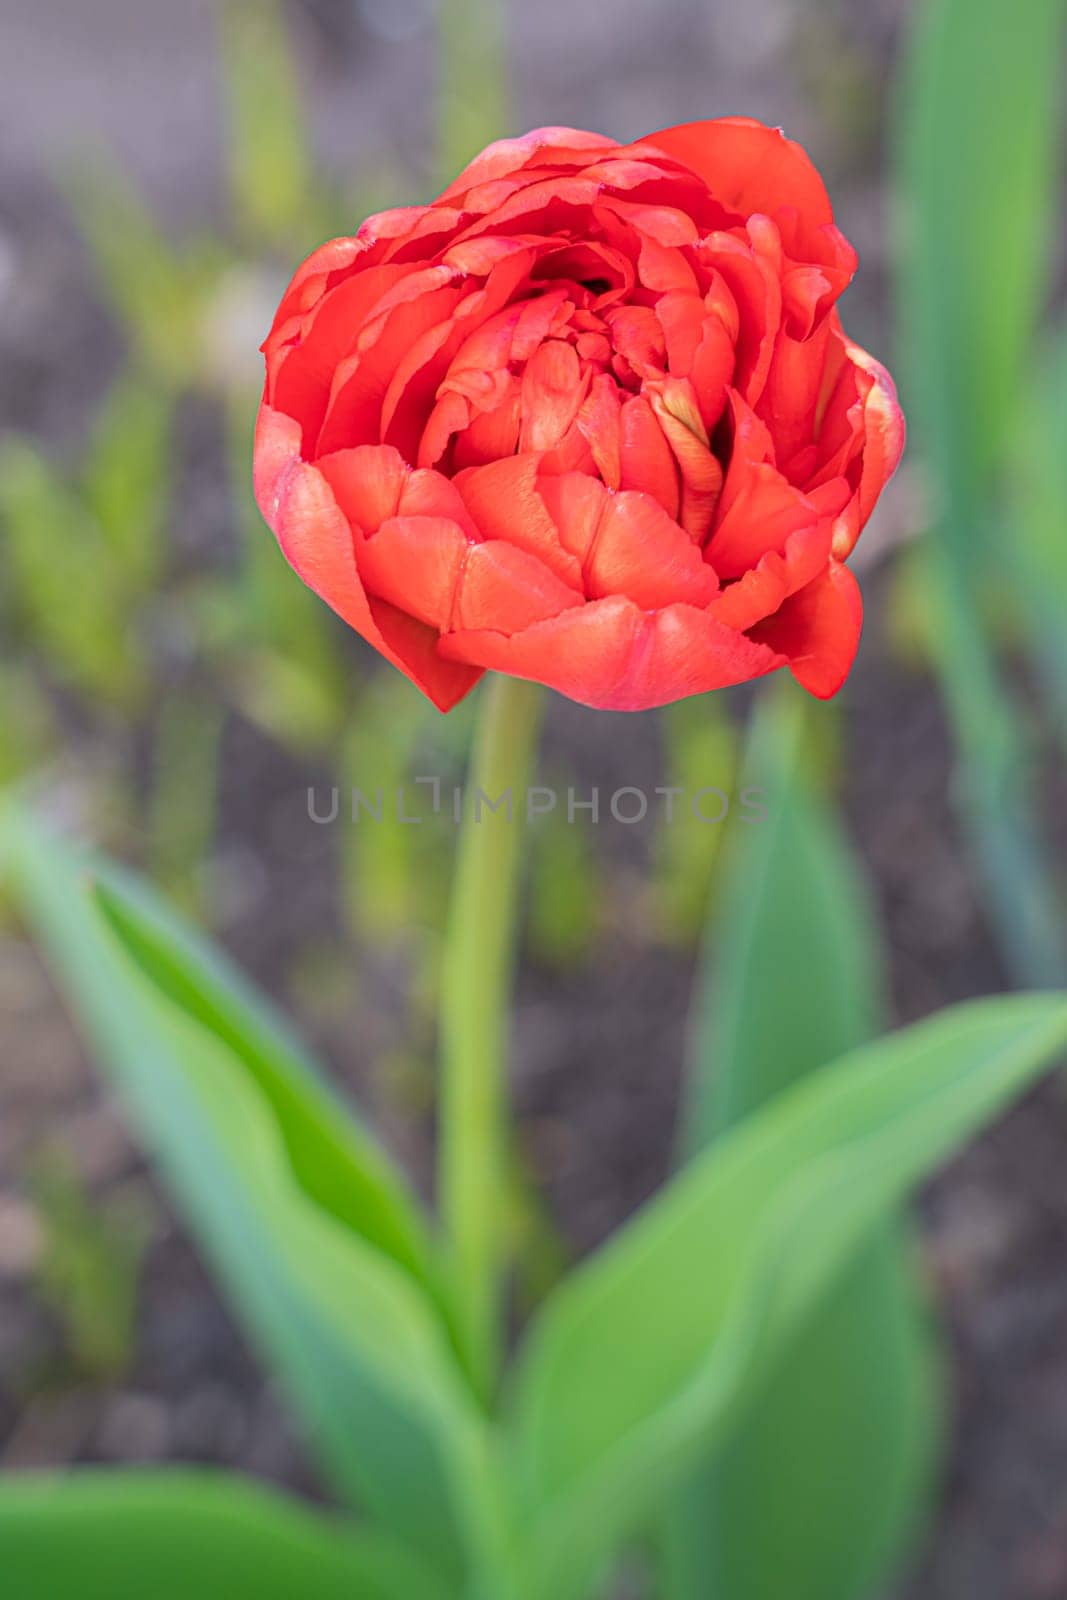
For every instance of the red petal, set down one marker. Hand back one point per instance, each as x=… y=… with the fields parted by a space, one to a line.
x=492 y=435
x=700 y=472
x=575 y=502
x=415 y=563
x=507 y=589
x=759 y=507
x=611 y=654
x=748 y=166
x=818 y=630
x=552 y=390
x=641 y=552
x=367 y=482
x=507 y=156
x=775 y=576
x=316 y=540
x=753 y=284
x=861 y=431
x=353 y=415
x=884 y=430
x=413 y=647
x=647 y=459
x=450 y=416
x=789 y=401
x=665 y=224
x=598 y=420
x=502 y=498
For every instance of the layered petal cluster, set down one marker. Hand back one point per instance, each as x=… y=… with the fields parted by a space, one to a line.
x=588 y=418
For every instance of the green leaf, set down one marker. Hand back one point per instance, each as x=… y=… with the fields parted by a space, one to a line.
x=175 y=1534
x=91 y=645
x=977 y=146
x=337 y=1163
x=126 y=480
x=792 y=971
x=272 y=176
x=642 y=1360
x=978 y=149
x=1038 y=567
x=472 y=76
x=296 y=1212
x=840 y=1437
x=700 y=748
x=157 y=291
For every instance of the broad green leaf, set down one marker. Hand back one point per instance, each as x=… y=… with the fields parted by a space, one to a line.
x=338 y=1164
x=173 y=1534
x=995 y=782
x=792 y=972
x=840 y=1436
x=259 y=1164
x=977 y=141
x=641 y=1361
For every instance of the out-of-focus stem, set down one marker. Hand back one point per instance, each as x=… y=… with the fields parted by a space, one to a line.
x=475 y=993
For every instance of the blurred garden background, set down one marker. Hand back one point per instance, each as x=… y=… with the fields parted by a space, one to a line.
x=167 y=688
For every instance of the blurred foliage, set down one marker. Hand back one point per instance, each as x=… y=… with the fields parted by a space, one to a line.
x=89 y=1266
x=793 y=973
x=566 y=893
x=700 y=746
x=654 y=1353
x=978 y=131
x=472 y=70
x=181 y=812
x=1038 y=507
x=268 y=149
x=92 y=642
x=155 y=289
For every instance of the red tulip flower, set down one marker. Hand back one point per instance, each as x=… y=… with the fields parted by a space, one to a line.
x=588 y=418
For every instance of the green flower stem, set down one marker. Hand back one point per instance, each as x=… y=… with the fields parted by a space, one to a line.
x=475 y=991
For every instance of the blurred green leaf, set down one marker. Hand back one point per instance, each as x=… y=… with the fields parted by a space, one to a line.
x=272 y=174
x=977 y=139
x=68 y=595
x=157 y=291
x=701 y=750
x=978 y=124
x=1038 y=513
x=27 y=730
x=281 y=644
x=472 y=74
x=126 y=479
x=642 y=1360
x=840 y=1438
x=182 y=813
x=395 y=873
x=89 y=1266
x=173 y=1534
x=791 y=974
x=310 y=1234
x=565 y=894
